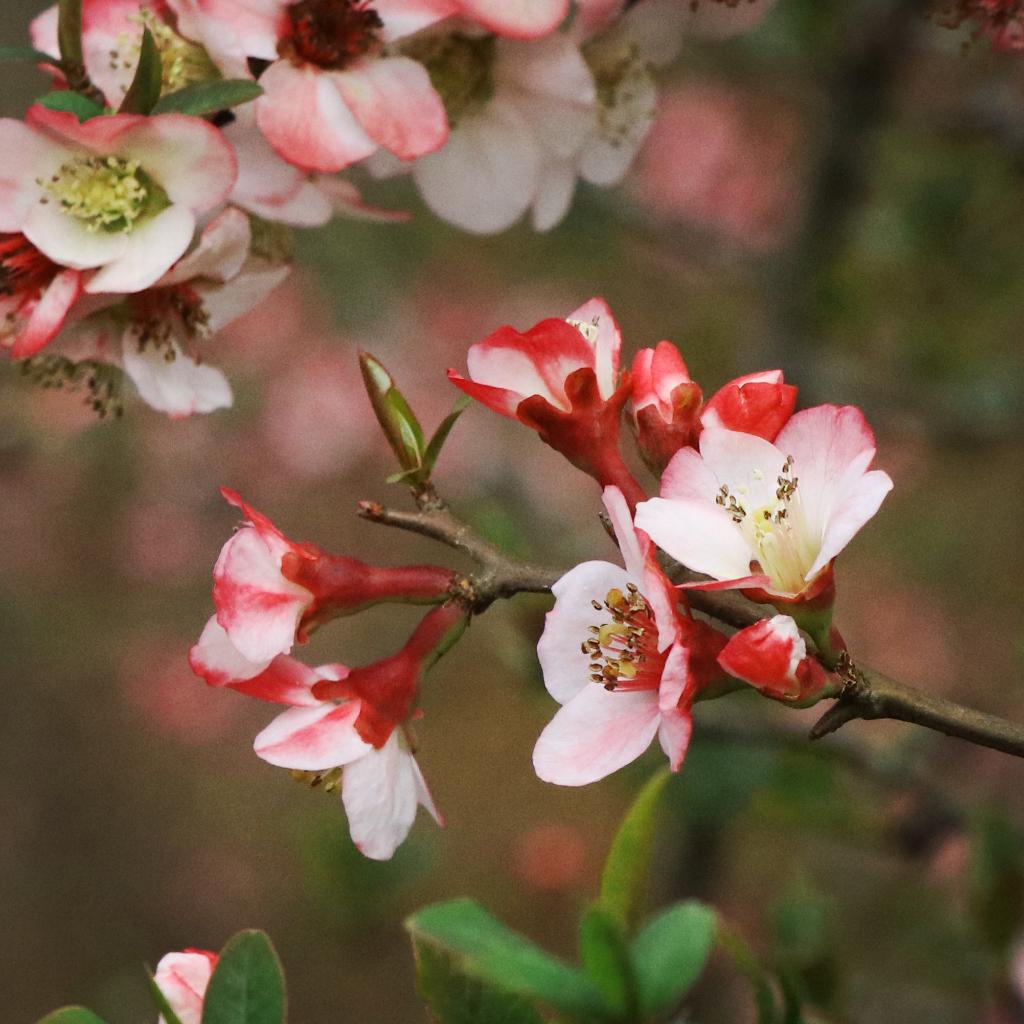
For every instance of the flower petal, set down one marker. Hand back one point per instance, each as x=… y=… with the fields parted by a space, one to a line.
x=216 y=659
x=633 y=548
x=183 y=979
x=520 y=19
x=48 y=314
x=313 y=739
x=766 y=655
x=595 y=734
x=674 y=733
x=28 y=155
x=607 y=342
x=222 y=250
x=179 y=387
x=67 y=241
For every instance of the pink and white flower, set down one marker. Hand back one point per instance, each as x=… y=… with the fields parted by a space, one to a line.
x=622 y=661
x=767 y=517
x=183 y=979
x=561 y=378
x=332 y=96
x=119 y=195
x=772 y=656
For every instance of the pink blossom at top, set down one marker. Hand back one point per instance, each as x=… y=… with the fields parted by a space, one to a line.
x=621 y=660
x=772 y=656
x=1002 y=21
x=331 y=94
x=668 y=410
x=183 y=979
x=770 y=517
x=118 y=194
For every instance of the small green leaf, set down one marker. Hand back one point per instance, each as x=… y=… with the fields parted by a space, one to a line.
x=208 y=97
x=160 y=1001
x=247 y=985
x=670 y=953
x=437 y=442
x=482 y=948
x=144 y=92
x=72 y=1015
x=455 y=998
x=69 y=33
x=399 y=423
x=28 y=54
x=72 y=103
x=605 y=957
x=625 y=869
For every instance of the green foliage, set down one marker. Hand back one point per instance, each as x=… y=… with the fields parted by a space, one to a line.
x=481 y=948
x=247 y=985
x=144 y=92
x=71 y=102
x=208 y=97
x=605 y=955
x=625 y=869
x=160 y=1000
x=670 y=953
x=804 y=950
x=72 y=1015
x=997 y=880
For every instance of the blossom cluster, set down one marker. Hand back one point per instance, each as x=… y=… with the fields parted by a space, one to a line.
x=754 y=496
x=144 y=204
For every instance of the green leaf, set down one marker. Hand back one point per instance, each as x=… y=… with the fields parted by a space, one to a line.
x=482 y=948
x=670 y=953
x=71 y=102
x=625 y=869
x=160 y=1000
x=399 y=423
x=606 y=959
x=208 y=97
x=144 y=92
x=455 y=998
x=72 y=1015
x=247 y=985
x=760 y=980
x=437 y=442
x=28 y=54
x=997 y=879
x=69 y=34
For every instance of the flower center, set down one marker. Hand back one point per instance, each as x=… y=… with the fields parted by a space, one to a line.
x=23 y=268
x=461 y=70
x=182 y=62
x=330 y=33
x=624 y=652
x=107 y=193
x=625 y=90
x=775 y=529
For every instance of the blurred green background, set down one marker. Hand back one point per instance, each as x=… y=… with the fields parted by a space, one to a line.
x=842 y=194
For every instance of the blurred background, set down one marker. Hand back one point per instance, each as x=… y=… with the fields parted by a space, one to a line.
x=841 y=193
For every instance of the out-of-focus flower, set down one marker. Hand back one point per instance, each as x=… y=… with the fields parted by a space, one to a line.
x=560 y=378
x=772 y=656
x=1002 y=21
x=332 y=94
x=770 y=518
x=112 y=43
x=271 y=591
x=668 y=411
x=117 y=194
x=552 y=857
x=724 y=161
x=622 y=662
x=183 y=978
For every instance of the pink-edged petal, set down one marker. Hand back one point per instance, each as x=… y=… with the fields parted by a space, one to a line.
x=688 y=477
x=826 y=441
x=183 y=979
x=222 y=250
x=276 y=542
x=151 y=249
x=566 y=668
x=393 y=100
x=381 y=792
x=48 y=314
x=487 y=175
x=187 y=156
x=67 y=241
x=500 y=400
x=657 y=372
x=313 y=739
x=519 y=19
x=180 y=386
x=756 y=580
x=697 y=533
x=633 y=548
x=404 y=17
x=288 y=681
x=759 y=403
x=28 y=155
x=216 y=659
x=225 y=303
x=347 y=201
x=303 y=116
x=258 y=607
x=766 y=655
x=43 y=31
x=607 y=341
x=231 y=30
x=748 y=464
x=675 y=679
x=595 y=734
x=674 y=733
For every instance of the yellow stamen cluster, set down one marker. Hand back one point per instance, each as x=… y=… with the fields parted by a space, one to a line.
x=589 y=330
x=182 y=62
x=107 y=193
x=617 y=648
x=328 y=780
x=624 y=88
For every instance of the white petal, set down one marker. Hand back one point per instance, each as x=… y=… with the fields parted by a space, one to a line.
x=67 y=241
x=556 y=187
x=313 y=739
x=180 y=387
x=218 y=661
